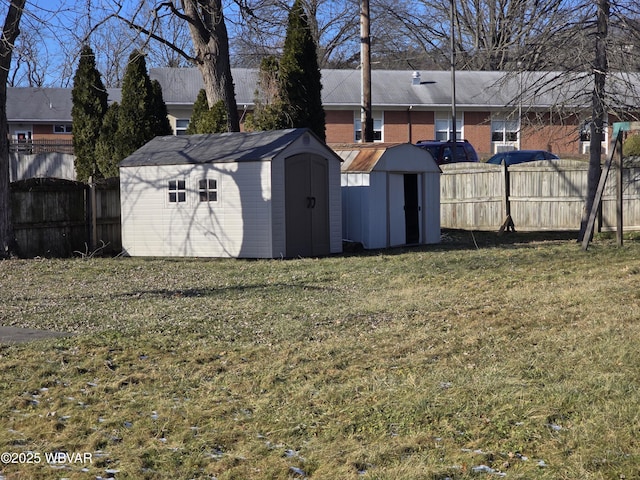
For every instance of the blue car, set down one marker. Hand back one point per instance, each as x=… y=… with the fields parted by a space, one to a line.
x=441 y=151
x=521 y=156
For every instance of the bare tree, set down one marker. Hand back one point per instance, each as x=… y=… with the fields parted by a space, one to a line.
x=30 y=64
x=598 y=105
x=260 y=26
x=489 y=34
x=586 y=70
x=209 y=41
x=10 y=32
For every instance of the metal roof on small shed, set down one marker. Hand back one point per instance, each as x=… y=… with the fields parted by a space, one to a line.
x=215 y=148
x=367 y=157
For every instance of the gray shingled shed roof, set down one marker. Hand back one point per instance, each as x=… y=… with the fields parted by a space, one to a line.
x=215 y=148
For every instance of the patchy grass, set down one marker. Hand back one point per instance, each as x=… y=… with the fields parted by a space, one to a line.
x=485 y=355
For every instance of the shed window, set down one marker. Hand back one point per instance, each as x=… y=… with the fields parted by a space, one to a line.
x=177 y=191
x=208 y=189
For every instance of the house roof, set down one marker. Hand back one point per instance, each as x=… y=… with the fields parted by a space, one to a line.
x=215 y=148
x=44 y=105
x=342 y=89
x=429 y=89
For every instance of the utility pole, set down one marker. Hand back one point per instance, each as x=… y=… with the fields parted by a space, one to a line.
x=453 y=82
x=366 y=116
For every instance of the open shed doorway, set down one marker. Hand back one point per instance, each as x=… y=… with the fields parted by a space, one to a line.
x=404 y=208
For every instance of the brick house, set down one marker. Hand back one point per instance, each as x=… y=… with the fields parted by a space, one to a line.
x=40 y=119
x=494 y=110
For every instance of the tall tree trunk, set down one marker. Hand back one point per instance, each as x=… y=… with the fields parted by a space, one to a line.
x=598 y=107
x=10 y=32
x=211 y=45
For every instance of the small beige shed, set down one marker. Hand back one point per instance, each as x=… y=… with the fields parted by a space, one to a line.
x=390 y=195
x=251 y=195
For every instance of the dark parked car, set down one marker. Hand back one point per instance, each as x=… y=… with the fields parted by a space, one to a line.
x=520 y=156
x=442 y=151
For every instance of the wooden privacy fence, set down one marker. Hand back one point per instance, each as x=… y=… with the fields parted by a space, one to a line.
x=59 y=218
x=544 y=195
x=40 y=163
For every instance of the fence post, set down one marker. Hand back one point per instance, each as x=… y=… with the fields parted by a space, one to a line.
x=92 y=215
x=508 y=224
x=619 y=224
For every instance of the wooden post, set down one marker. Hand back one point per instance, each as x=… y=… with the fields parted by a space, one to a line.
x=618 y=129
x=619 y=199
x=92 y=216
x=507 y=224
x=366 y=114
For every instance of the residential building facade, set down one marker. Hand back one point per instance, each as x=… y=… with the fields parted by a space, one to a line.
x=495 y=111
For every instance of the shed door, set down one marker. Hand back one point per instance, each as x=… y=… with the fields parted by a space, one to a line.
x=307 y=205
x=404 y=208
x=411 y=208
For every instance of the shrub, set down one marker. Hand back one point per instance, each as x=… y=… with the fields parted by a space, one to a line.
x=631 y=146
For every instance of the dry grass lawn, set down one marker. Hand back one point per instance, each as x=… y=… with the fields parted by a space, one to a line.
x=484 y=356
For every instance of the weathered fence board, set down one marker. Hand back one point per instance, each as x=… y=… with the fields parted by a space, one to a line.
x=48 y=216
x=546 y=195
x=41 y=165
x=630 y=196
x=472 y=194
x=108 y=231
x=53 y=217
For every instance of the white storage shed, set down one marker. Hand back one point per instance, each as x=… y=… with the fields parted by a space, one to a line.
x=390 y=195
x=247 y=195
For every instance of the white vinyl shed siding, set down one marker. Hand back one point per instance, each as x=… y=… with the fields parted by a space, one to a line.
x=237 y=224
x=373 y=195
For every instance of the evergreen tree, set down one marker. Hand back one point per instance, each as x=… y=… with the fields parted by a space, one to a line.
x=207 y=120
x=160 y=122
x=268 y=113
x=214 y=120
x=89 y=98
x=136 y=119
x=106 y=155
x=299 y=75
x=200 y=107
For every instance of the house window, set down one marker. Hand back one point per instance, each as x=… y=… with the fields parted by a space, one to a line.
x=62 y=128
x=177 y=191
x=444 y=131
x=377 y=127
x=208 y=190
x=181 y=126
x=504 y=131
